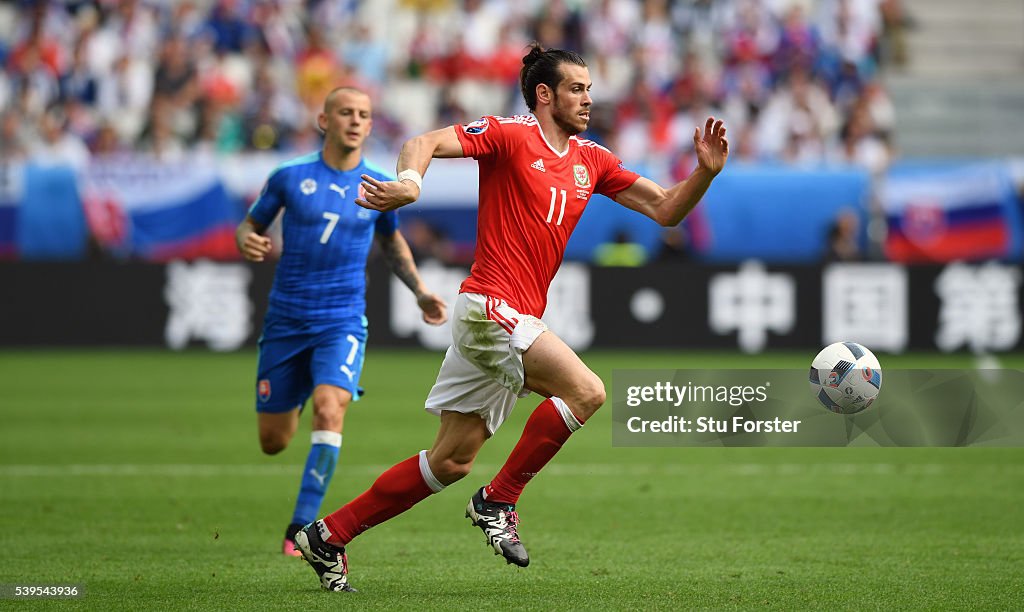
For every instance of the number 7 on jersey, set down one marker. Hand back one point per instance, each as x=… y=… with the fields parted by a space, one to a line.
x=332 y=220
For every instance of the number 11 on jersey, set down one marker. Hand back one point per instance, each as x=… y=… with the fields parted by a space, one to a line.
x=551 y=210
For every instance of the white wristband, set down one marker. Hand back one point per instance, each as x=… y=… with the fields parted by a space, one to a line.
x=411 y=175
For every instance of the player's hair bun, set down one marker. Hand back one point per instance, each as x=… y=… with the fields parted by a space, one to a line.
x=535 y=53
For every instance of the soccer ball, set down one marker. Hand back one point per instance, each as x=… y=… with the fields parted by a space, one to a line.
x=845 y=377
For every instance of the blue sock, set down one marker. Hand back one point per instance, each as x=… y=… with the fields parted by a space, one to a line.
x=323 y=456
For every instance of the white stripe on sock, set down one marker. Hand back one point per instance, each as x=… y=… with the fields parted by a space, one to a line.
x=330 y=438
x=428 y=476
x=563 y=409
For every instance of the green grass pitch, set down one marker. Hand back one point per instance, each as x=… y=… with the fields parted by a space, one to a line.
x=138 y=475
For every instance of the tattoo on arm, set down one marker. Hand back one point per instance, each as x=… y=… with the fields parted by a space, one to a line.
x=400 y=260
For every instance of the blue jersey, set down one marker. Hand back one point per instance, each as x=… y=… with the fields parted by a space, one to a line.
x=327 y=236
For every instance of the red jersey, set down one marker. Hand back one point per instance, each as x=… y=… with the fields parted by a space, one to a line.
x=531 y=198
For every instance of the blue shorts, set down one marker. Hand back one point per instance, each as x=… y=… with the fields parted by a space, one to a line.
x=296 y=356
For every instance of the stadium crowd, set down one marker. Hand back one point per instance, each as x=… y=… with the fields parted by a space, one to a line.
x=795 y=80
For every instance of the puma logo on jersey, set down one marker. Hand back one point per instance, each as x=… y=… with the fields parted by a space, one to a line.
x=538 y=165
x=340 y=190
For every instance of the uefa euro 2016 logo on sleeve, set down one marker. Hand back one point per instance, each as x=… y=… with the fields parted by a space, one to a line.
x=477 y=127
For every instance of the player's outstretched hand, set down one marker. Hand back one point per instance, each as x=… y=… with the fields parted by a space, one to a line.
x=435 y=310
x=255 y=247
x=386 y=195
x=712 y=148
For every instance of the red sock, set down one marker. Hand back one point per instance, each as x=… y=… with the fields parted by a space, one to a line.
x=545 y=433
x=394 y=492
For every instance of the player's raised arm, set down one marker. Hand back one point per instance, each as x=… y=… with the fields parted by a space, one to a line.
x=399 y=257
x=669 y=206
x=412 y=164
x=251 y=242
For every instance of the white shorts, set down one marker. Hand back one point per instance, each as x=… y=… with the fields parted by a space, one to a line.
x=483 y=371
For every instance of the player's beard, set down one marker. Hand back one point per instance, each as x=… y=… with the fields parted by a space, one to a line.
x=565 y=119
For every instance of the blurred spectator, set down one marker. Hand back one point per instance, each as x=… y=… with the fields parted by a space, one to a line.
x=852 y=27
x=642 y=121
x=160 y=138
x=317 y=69
x=746 y=88
x=185 y=19
x=13 y=146
x=427 y=242
x=675 y=245
x=35 y=64
x=367 y=56
x=609 y=27
x=269 y=113
x=38 y=49
x=228 y=26
x=175 y=91
x=101 y=44
x=55 y=145
x=657 y=45
x=80 y=119
x=107 y=141
x=557 y=25
x=879 y=107
x=799 y=44
x=622 y=252
x=80 y=82
x=220 y=127
x=278 y=30
x=895 y=22
x=752 y=35
x=862 y=141
x=480 y=28
x=134 y=24
x=124 y=96
x=843 y=238
x=797 y=121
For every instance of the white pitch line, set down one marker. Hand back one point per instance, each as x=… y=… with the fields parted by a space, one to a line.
x=189 y=470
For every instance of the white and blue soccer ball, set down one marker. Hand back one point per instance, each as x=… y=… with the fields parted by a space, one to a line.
x=845 y=377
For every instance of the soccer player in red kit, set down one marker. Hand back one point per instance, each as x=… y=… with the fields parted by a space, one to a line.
x=536 y=177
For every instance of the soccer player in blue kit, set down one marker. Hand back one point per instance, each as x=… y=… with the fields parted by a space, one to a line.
x=314 y=333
